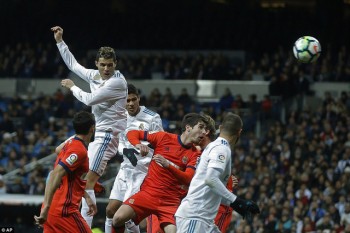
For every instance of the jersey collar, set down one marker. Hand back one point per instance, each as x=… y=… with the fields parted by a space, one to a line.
x=183 y=145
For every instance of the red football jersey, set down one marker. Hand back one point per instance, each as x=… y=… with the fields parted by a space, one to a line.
x=73 y=158
x=159 y=180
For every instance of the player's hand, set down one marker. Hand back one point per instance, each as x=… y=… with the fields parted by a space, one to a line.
x=92 y=206
x=58 y=33
x=67 y=83
x=40 y=220
x=234 y=181
x=131 y=155
x=144 y=149
x=245 y=208
x=161 y=160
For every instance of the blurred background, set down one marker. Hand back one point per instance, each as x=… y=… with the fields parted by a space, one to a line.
x=210 y=56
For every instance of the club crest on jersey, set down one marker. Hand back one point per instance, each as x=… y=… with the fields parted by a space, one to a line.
x=131 y=201
x=221 y=157
x=185 y=159
x=141 y=127
x=72 y=159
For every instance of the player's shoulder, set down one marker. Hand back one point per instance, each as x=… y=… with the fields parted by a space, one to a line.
x=118 y=78
x=77 y=146
x=148 y=112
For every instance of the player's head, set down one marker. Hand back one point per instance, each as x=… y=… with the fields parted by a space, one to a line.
x=133 y=100
x=83 y=123
x=211 y=129
x=106 y=62
x=231 y=127
x=194 y=126
x=210 y=134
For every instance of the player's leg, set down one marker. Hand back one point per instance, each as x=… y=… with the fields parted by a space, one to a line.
x=170 y=228
x=153 y=225
x=115 y=199
x=100 y=151
x=137 y=207
x=134 y=180
x=123 y=214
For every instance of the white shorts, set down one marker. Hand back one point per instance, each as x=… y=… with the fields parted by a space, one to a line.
x=127 y=183
x=101 y=150
x=185 y=225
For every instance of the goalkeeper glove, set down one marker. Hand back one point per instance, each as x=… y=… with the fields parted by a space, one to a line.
x=246 y=208
x=131 y=155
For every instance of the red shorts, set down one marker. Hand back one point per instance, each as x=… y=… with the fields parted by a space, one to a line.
x=223 y=218
x=145 y=204
x=153 y=225
x=72 y=223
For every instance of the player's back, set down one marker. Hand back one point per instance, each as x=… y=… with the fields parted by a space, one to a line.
x=73 y=158
x=201 y=202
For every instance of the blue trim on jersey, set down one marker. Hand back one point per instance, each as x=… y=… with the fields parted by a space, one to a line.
x=183 y=145
x=192 y=226
x=64 y=166
x=194 y=168
x=149 y=112
x=79 y=139
x=224 y=142
x=101 y=152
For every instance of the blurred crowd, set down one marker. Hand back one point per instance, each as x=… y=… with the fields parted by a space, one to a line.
x=42 y=60
x=298 y=169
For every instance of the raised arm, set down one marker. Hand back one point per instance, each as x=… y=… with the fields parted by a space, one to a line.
x=68 y=57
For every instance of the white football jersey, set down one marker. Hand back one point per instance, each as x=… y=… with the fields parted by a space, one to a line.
x=201 y=202
x=107 y=97
x=146 y=120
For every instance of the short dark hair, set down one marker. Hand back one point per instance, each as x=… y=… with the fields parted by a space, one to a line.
x=192 y=119
x=82 y=122
x=133 y=90
x=231 y=124
x=106 y=53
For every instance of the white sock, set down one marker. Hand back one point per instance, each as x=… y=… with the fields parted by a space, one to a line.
x=85 y=207
x=108 y=225
x=130 y=227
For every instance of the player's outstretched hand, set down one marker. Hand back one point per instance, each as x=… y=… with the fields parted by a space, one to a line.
x=246 y=208
x=58 y=33
x=131 y=155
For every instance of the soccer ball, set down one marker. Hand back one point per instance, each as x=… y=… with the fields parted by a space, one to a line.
x=307 y=49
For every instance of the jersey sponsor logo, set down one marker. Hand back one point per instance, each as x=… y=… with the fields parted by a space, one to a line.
x=131 y=201
x=185 y=159
x=141 y=126
x=72 y=159
x=221 y=157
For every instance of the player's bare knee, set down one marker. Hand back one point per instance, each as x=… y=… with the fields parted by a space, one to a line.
x=110 y=210
x=118 y=221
